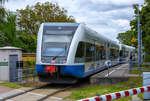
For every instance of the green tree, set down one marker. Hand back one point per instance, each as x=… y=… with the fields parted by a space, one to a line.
x=30 y=18
x=8 y=30
x=2 y=10
x=3 y=1
x=145 y=27
x=126 y=38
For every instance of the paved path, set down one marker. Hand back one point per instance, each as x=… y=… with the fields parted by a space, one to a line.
x=136 y=98
x=115 y=74
x=35 y=95
x=117 y=71
x=4 y=89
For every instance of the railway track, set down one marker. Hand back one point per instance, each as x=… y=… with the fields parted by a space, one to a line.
x=39 y=87
x=56 y=92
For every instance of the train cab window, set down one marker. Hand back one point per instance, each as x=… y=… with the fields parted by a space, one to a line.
x=56 y=40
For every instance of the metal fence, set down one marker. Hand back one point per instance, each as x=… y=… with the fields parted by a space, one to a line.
x=133 y=66
x=25 y=74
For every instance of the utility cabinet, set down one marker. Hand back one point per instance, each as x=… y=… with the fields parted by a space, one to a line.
x=146 y=82
x=8 y=58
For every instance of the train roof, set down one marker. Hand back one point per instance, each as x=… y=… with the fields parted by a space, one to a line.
x=128 y=47
x=89 y=31
x=93 y=34
x=60 y=24
x=98 y=36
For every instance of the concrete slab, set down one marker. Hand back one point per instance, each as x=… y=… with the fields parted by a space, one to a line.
x=63 y=94
x=28 y=97
x=35 y=95
x=12 y=92
x=116 y=74
x=54 y=99
x=4 y=89
x=136 y=98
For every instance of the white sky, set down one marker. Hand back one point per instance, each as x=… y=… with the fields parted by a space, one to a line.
x=108 y=17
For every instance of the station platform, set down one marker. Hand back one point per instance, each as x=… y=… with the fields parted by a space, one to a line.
x=115 y=74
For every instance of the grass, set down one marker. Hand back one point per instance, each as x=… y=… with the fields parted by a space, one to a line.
x=147 y=59
x=141 y=96
x=92 y=90
x=134 y=72
x=142 y=68
x=11 y=85
x=16 y=85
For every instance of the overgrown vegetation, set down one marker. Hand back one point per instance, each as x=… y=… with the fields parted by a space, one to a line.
x=127 y=36
x=92 y=90
x=18 y=85
x=22 y=26
x=11 y=85
x=29 y=64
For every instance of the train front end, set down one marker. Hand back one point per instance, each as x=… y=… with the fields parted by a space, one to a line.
x=53 y=43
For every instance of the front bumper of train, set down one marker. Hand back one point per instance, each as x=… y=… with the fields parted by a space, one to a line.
x=76 y=71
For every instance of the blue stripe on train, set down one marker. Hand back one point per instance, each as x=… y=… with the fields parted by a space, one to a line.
x=77 y=71
x=70 y=70
x=73 y=70
x=40 y=70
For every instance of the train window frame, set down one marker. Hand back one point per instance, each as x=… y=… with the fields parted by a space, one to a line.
x=91 y=56
x=74 y=28
x=80 y=58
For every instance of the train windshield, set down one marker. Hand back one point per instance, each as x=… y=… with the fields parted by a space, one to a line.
x=56 y=40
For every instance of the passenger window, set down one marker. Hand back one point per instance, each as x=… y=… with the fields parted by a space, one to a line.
x=88 y=52
x=79 y=57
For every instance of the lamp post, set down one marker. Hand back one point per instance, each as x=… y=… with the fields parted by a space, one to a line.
x=139 y=38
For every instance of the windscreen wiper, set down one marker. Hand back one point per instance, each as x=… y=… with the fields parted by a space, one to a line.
x=54 y=58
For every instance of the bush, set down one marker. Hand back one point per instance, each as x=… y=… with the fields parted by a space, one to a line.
x=29 y=64
x=147 y=58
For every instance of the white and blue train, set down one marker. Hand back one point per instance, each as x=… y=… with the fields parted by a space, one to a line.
x=69 y=51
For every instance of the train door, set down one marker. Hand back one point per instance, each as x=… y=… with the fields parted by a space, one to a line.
x=89 y=56
x=107 y=51
x=94 y=54
x=100 y=54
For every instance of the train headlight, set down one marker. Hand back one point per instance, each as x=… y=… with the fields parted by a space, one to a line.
x=52 y=61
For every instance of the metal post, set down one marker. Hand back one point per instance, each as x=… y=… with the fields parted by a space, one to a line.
x=108 y=71
x=130 y=66
x=139 y=40
x=19 y=75
x=26 y=75
x=141 y=47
